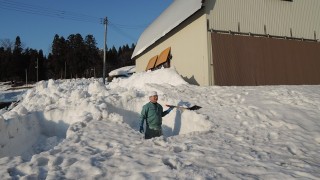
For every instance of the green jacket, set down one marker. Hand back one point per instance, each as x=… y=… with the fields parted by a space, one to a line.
x=152 y=113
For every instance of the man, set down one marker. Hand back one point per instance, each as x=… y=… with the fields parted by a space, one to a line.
x=152 y=112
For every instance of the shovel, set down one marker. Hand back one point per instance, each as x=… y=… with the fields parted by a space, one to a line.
x=192 y=108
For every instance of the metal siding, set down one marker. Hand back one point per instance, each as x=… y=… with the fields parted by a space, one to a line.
x=301 y=16
x=246 y=60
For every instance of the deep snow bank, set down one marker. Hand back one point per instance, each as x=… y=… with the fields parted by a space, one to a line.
x=41 y=120
x=142 y=79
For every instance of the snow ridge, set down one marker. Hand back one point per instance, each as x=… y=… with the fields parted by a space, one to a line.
x=81 y=128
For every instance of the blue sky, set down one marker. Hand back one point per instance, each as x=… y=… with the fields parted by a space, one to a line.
x=37 y=21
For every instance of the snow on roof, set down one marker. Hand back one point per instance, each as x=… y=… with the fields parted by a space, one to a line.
x=175 y=14
x=123 y=71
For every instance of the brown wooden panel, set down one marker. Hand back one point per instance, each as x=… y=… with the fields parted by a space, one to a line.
x=163 y=57
x=247 y=60
x=152 y=62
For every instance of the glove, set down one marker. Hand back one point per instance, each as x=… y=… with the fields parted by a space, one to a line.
x=141 y=129
x=170 y=109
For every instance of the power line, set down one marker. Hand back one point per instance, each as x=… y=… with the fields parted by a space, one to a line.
x=119 y=31
x=38 y=10
x=122 y=26
x=54 y=13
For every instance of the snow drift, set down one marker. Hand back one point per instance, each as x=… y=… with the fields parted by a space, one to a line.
x=82 y=129
x=46 y=112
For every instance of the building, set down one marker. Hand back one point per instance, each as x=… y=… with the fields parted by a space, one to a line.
x=232 y=42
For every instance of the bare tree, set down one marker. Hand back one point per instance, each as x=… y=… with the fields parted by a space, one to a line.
x=6 y=43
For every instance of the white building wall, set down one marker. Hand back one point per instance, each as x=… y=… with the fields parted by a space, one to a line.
x=302 y=16
x=188 y=48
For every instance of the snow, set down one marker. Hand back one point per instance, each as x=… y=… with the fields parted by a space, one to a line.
x=125 y=71
x=175 y=14
x=83 y=129
x=11 y=94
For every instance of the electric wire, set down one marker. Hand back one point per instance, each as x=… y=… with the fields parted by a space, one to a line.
x=54 y=13
x=118 y=30
x=38 y=10
x=121 y=26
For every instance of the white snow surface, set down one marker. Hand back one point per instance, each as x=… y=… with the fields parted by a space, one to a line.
x=83 y=129
x=126 y=71
x=9 y=96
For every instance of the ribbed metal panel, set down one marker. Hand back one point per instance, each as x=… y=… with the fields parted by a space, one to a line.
x=247 y=60
x=299 y=18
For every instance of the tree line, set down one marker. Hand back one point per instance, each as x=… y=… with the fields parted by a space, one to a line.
x=74 y=57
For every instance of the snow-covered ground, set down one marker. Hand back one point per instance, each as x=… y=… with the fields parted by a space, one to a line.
x=82 y=129
x=125 y=71
x=12 y=95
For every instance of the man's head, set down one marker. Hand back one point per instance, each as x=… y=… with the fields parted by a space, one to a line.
x=153 y=96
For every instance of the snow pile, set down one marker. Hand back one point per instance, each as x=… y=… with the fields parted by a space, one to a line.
x=84 y=129
x=51 y=107
x=5 y=85
x=11 y=96
x=126 y=71
x=163 y=76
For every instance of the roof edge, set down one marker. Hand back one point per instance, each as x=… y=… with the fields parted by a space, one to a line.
x=166 y=22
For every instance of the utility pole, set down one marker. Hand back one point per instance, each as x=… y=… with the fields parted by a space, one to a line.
x=105 y=22
x=94 y=72
x=37 y=69
x=26 y=77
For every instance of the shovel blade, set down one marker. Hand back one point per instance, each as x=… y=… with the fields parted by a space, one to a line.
x=195 y=107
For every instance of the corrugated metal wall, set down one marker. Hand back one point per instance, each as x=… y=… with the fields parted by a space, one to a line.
x=246 y=60
x=299 y=18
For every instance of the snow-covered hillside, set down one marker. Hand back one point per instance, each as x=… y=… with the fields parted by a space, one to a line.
x=82 y=129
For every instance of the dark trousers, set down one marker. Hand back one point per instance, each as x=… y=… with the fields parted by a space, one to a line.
x=151 y=133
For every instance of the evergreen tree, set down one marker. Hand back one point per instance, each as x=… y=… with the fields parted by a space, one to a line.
x=94 y=60
x=42 y=69
x=76 y=58
x=59 y=56
x=17 y=46
x=113 y=56
x=6 y=44
x=6 y=64
x=133 y=46
x=30 y=58
x=125 y=55
x=2 y=63
x=18 y=66
x=49 y=66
